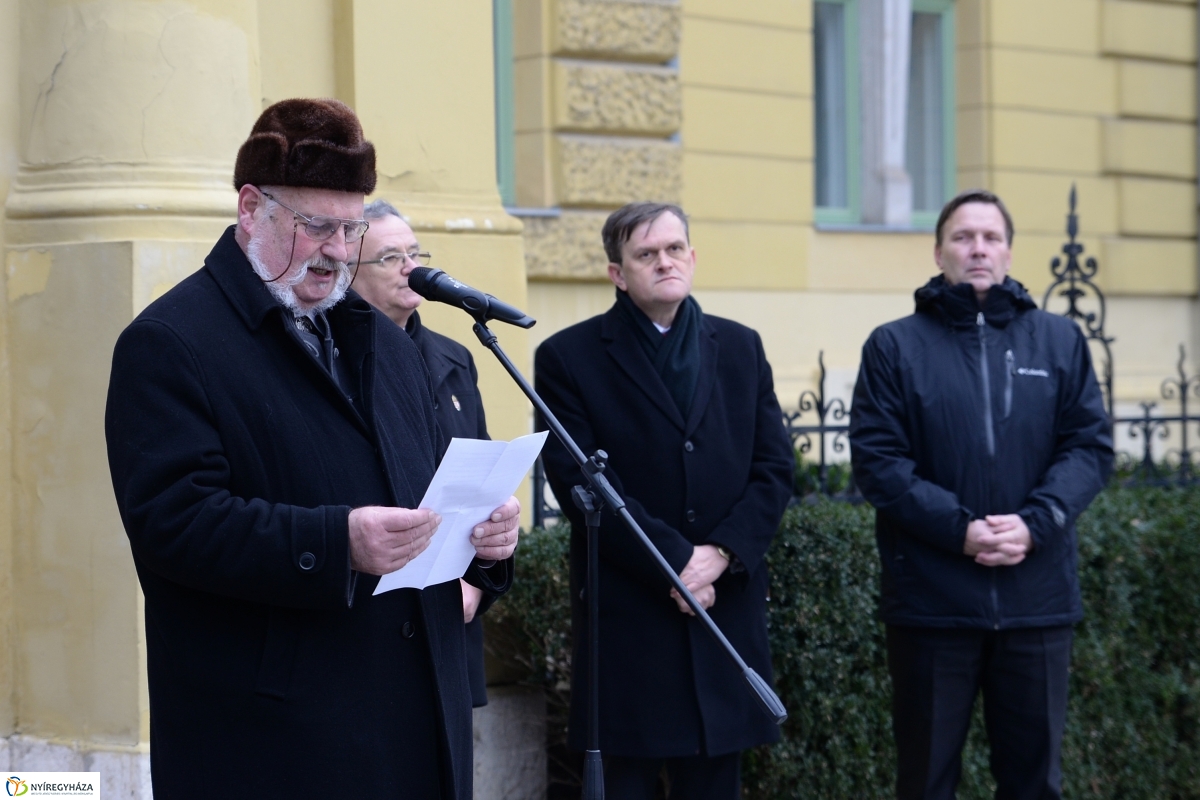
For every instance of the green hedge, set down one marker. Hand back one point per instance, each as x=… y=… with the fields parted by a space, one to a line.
x=1134 y=715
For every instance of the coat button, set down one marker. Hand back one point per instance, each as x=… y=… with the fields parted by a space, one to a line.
x=689 y=446
x=407 y=630
x=691 y=515
x=307 y=561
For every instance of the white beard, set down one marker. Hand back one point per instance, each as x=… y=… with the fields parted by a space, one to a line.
x=282 y=290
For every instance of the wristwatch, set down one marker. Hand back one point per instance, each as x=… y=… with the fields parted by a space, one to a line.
x=725 y=554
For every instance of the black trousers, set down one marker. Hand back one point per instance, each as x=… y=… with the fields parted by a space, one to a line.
x=936 y=674
x=694 y=778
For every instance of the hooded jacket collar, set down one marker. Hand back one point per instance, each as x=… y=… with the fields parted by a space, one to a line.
x=956 y=305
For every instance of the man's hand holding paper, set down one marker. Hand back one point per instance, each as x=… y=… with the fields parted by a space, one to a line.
x=496 y=538
x=469 y=494
x=383 y=539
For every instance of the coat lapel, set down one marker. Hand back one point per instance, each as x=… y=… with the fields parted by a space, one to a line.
x=439 y=363
x=435 y=361
x=353 y=323
x=630 y=357
x=709 y=350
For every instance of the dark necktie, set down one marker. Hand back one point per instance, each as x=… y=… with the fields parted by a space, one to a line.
x=318 y=341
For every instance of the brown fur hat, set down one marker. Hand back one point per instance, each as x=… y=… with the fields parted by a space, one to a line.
x=316 y=144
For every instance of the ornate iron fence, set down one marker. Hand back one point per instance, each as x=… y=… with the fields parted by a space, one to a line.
x=1073 y=281
x=819 y=426
x=827 y=433
x=1177 y=464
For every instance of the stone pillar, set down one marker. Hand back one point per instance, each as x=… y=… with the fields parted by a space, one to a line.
x=9 y=138
x=598 y=110
x=130 y=116
x=885 y=28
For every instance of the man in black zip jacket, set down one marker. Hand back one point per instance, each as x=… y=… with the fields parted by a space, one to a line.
x=979 y=434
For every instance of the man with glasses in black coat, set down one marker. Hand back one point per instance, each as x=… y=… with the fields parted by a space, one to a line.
x=390 y=252
x=270 y=436
x=979 y=434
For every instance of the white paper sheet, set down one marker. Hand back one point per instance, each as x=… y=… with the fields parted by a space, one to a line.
x=474 y=479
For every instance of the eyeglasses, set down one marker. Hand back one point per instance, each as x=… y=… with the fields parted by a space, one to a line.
x=321 y=228
x=397 y=259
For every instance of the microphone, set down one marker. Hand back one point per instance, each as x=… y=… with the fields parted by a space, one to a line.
x=436 y=285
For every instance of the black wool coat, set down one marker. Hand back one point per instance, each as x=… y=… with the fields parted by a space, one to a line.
x=959 y=412
x=236 y=461
x=722 y=477
x=458 y=407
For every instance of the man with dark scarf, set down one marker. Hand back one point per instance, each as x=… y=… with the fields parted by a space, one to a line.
x=684 y=405
x=979 y=434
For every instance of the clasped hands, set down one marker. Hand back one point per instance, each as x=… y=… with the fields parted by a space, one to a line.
x=998 y=540
x=384 y=539
x=702 y=570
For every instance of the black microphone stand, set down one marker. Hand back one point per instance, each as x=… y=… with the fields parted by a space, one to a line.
x=591 y=500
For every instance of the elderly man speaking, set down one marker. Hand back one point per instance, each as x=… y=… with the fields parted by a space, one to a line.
x=269 y=436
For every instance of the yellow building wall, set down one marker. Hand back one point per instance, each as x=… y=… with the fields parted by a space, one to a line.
x=746 y=70
x=1099 y=94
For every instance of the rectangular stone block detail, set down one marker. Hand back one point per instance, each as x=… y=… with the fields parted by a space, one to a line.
x=634 y=30
x=747 y=189
x=596 y=171
x=882 y=262
x=510 y=744
x=609 y=98
x=1159 y=149
x=772 y=13
x=1148 y=30
x=1157 y=207
x=1055 y=82
x=756 y=59
x=1040 y=141
x=1038 y=24
x=1166 y=91
x=717 y=123
x=566 y=247
x=972 y=138
x=1148 y=266
x=750 y=255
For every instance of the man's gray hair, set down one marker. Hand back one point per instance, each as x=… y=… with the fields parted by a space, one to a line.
x=380 y=209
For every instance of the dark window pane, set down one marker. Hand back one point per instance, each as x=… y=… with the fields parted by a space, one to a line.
x=830 y=78
x=925 y=114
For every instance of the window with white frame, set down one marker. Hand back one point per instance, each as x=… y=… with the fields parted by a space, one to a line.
x=929 y=139
x=835 y=78
x=928 y=159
